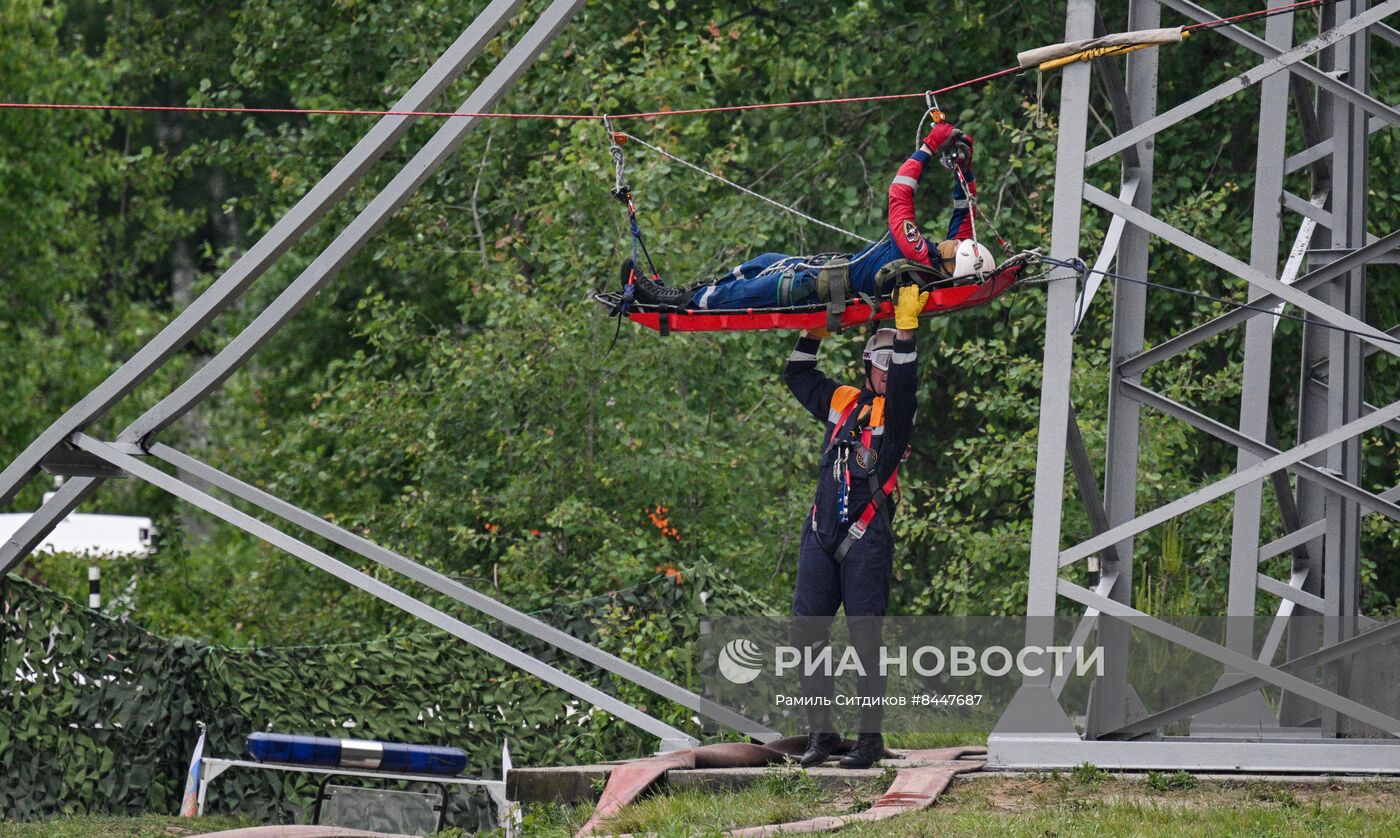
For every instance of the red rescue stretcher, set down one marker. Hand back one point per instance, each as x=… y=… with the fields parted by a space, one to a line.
x=942 y=300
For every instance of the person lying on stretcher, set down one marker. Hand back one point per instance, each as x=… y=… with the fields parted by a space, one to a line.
x=776 y=280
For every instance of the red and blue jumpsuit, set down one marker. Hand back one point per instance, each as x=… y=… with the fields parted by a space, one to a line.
x=778 y=280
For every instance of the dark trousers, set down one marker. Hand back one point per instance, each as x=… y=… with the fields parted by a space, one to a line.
x=860 y=584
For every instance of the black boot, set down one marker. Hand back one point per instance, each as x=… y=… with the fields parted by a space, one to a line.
x=819 y=747
x=870 y=749
x=654 y=292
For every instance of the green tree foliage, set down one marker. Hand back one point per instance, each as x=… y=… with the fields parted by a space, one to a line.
x=451 y=394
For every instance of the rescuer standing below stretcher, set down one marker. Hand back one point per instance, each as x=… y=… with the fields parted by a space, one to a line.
x=847 y=552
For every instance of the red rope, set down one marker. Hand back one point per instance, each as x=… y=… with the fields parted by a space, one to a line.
x=314 y=111
x=1211 y=24
x=577 y=116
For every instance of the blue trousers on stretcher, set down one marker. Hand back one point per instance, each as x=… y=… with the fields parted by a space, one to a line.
x=773 y=280
x=860 y=584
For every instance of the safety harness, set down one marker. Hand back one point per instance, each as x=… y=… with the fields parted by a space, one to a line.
x=843 y=440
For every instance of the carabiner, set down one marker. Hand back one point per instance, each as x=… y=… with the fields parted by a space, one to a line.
x=931 y=104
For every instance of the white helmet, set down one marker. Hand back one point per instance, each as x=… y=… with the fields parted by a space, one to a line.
x=879 y=350
x=972 y=259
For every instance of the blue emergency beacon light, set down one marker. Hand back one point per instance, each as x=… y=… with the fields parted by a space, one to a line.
x=357 y=753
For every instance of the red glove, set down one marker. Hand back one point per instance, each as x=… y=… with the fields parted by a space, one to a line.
x=944 y=139
x=939 y=134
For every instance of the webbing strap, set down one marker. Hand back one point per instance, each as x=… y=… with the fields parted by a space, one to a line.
x=835 y=281
x=841 y=422
x=857 y=529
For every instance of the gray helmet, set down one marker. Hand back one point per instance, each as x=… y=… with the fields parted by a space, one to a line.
x=879 y=350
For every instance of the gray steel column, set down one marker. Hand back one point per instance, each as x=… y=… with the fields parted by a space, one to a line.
x=1305 y=627
x=1110 y=700
x=1034 y=707
x=1341 y=574
x=251 y=265
x=1251 y=710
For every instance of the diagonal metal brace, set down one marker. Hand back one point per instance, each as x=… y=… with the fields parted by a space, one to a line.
x=1225 y=433
x=467 y=596
x=1177 y=344
x=485 y=642
x=1225 y=486
x=1291 y=60
x=1149 y=724
x=258 y=258
x=1229 y=657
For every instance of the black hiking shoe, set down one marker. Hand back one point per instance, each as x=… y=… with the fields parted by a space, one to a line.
x=654 y=292
x=819 y=747
x=870 y=749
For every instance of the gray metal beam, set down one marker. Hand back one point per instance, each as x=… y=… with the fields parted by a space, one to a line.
x=1112 y=700
x=1087 y=484
x=1220 y=488
x=1230 y=658
x=1306 y=72
x=1186 y=709
x=1117 y=92
x=1386 y=33
x=1173 y=346
x=1275 y=289
x=252 y=264
x=1087 y=624
x=1294 y=539
x=1111 y=241
x=1324 y=255
x=232 y=356
x=144 y=471
x=1318 y=387
x=1368 y=350
x=423 y=165
x=1288 y=508
x=1259 y=450
x=1322 y=150
x=461 y=593
x=38 y=525
x=1277 y=61
x=1297 y=578
x=1307 y=209
x=1059 y=347
x=1297 y=254
x=1034 y=706
x=1269 y=584
x=1258 y=343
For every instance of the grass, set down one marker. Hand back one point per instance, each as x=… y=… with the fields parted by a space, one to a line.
x=1083 y=801
x=144 y=826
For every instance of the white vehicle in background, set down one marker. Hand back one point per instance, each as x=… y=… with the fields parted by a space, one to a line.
x=97 y=536
x=94 y=536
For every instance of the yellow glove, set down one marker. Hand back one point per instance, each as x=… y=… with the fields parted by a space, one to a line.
x=909 y=303
x=818 y=333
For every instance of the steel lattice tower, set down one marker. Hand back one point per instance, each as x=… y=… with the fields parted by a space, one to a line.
x=1313 y=723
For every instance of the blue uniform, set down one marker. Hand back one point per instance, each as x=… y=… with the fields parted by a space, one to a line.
x=861 y=582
